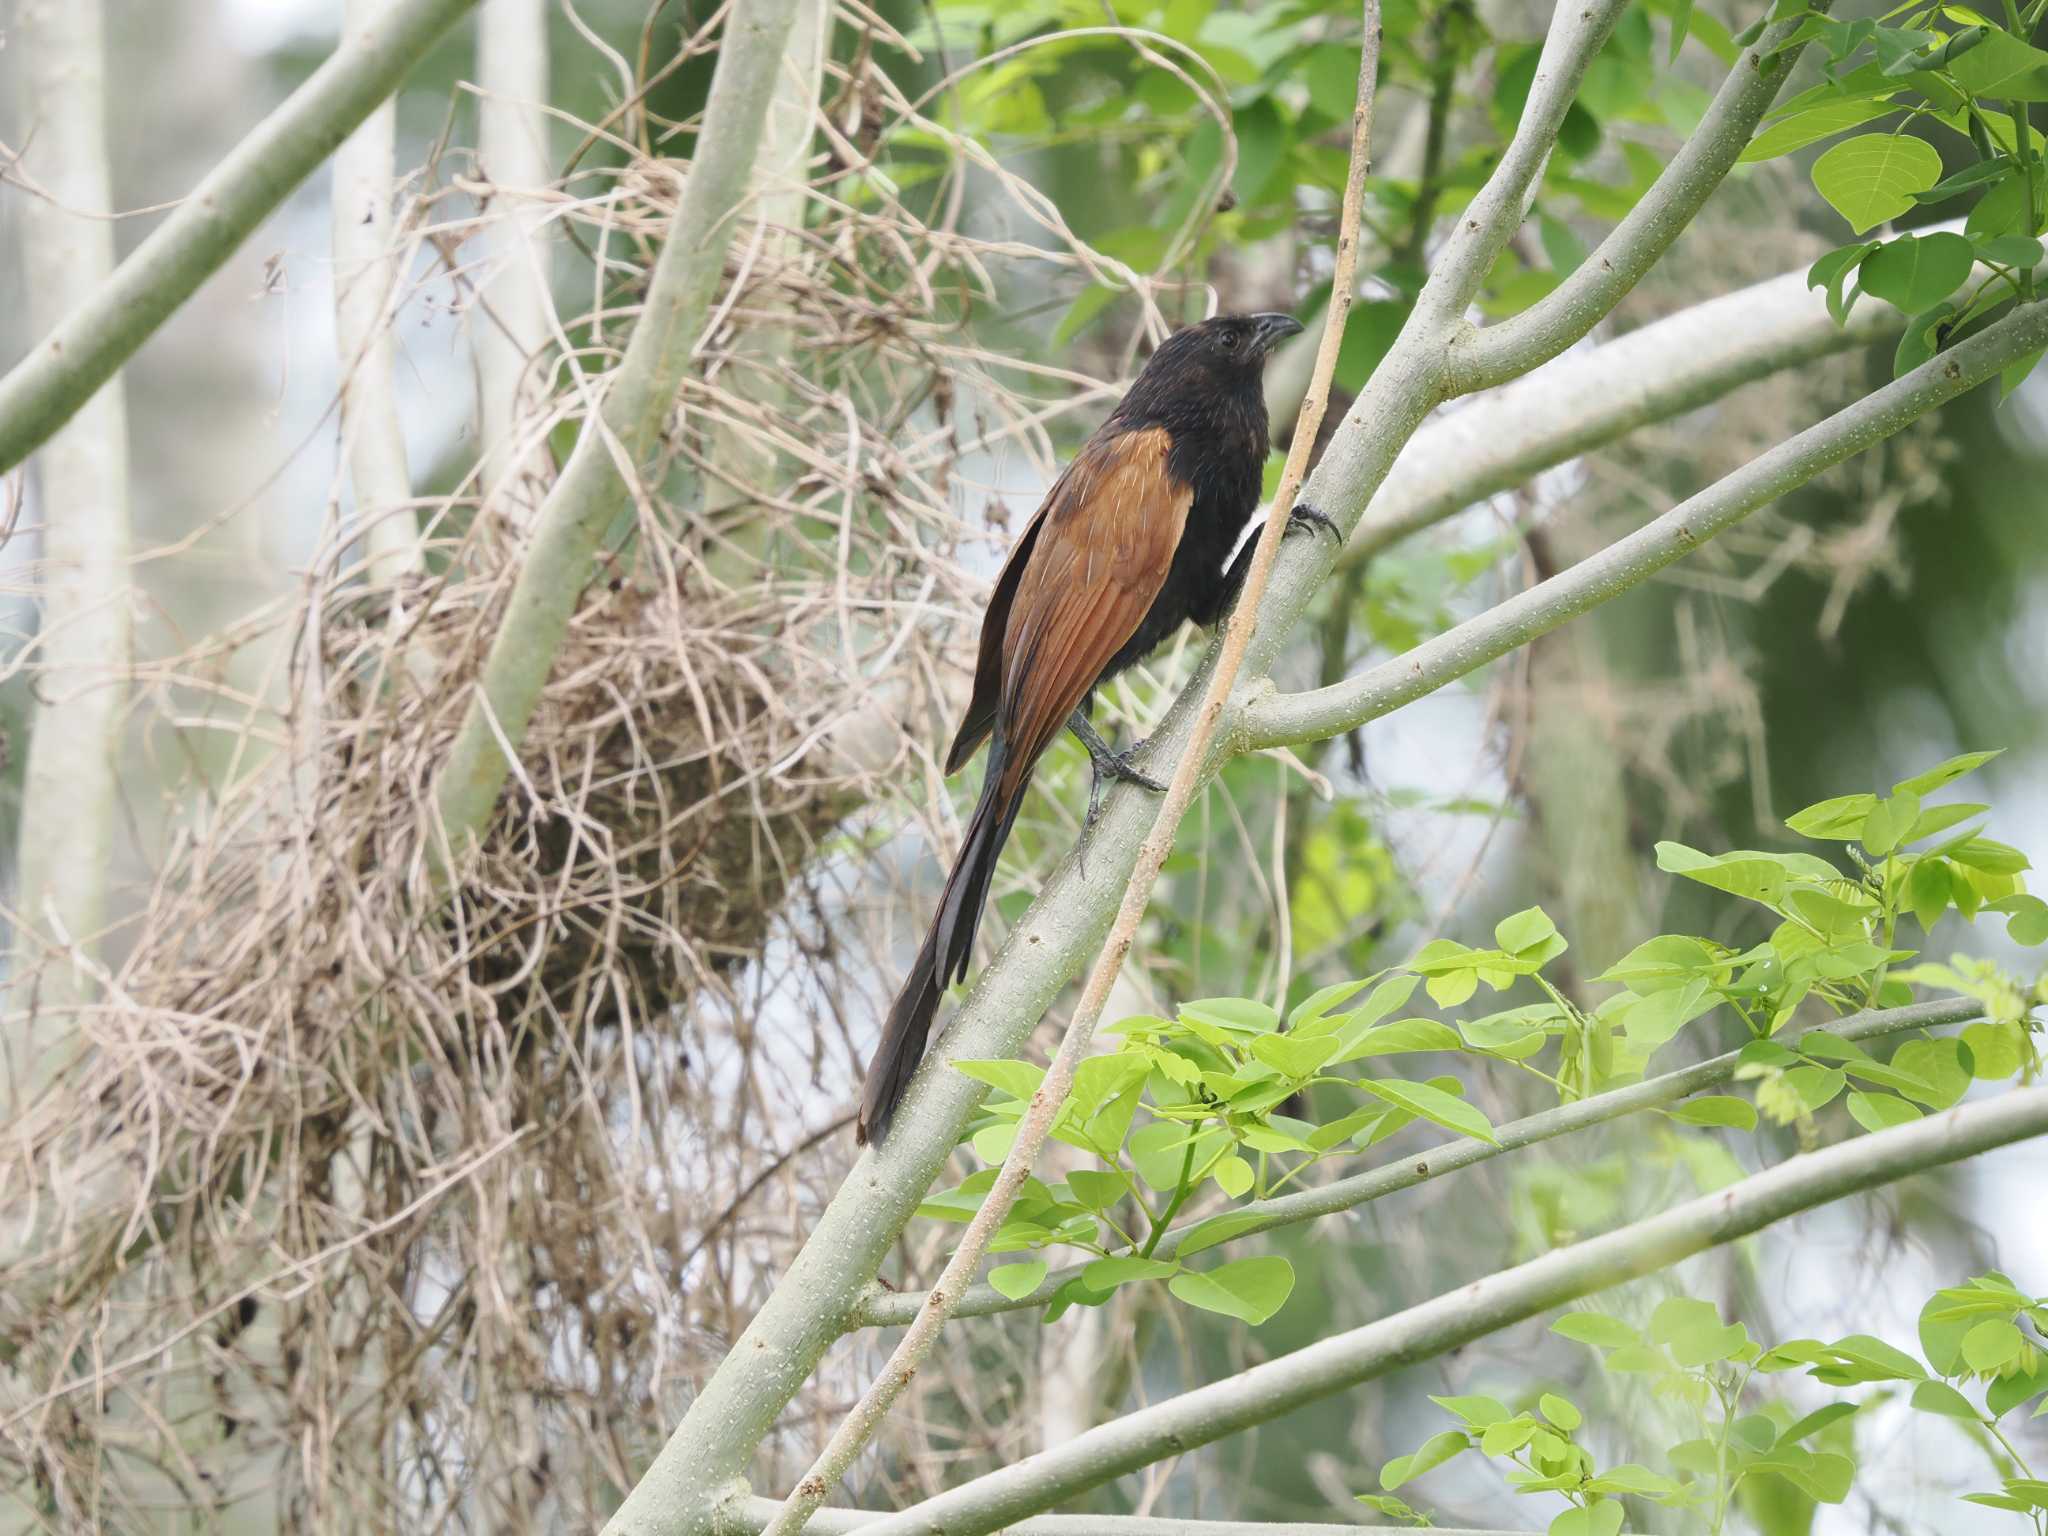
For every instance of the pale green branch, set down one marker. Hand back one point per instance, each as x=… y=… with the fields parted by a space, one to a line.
x=887 y=1309
x=619 y=438
x=1470 y=1312
x=748 y=1517
x=62 y=371
x=1281 y=719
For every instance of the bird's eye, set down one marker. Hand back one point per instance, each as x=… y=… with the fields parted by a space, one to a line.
x=1230 y=341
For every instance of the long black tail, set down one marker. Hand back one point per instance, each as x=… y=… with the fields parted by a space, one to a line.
x=942 y=959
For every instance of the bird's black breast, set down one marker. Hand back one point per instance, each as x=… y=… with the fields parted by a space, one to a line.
x=1219 y=450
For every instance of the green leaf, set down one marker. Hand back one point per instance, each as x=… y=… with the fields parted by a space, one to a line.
x=1755 y=876
x=1595 y=1328
x=1233 y=1175
x=1096 y=1189
x=1218 y=1229
x=1939 y=1397
x=1293 y=1058
x=1694 y=1333
x=1477 y=1412
x=1938 y=1065
x=1401 y=1036
x=1880 y=1111
x=1890 y=820
x=1508 y=1437
x=1560 y=1412
x=1432 y=1104
x=1239 y=1015
x=1812 y=125
x=1819 y=1419
x=1105 y=1275
x=1925 y=334
x=1992 y=1345
x=1322 y=1004
x=2012 y=251
x=1017 y=1281
x=1657 y=965
x=1629 y=1478
x=1094 y=299
x=2026 y=920
x=1019 y=1079
x=1435 y=1451
x=1717 y=1109
x=1250 y=1289
x=1860 y=1358
x=1839 y=819
x=1873 y=176
x=1927 y=891
x=1602 y=1519
x=1945 y=773
x=2004 y=69
x=1528 y=929
x=1912 y=273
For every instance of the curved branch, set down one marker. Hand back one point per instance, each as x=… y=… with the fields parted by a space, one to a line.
x=1585 y=400
x=42 y=391
x=1472 y=1311
x=887 y=1309
x=748 y=1517
x=1282 y=719
x=1483 y=358
x=617 y=439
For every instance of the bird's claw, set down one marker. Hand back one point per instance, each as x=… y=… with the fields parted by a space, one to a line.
x=1307 y=517
x=1105 y=767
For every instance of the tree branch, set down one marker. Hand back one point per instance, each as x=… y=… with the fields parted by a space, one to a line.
x=63 y=370
x=618 y=438
x=1472 y=1311
x=860 y=1425
x=1585 y=400
x=747 y=1517
x=887 y=1309
x=1483 y=358
x=1281 y=719
x=71 y=786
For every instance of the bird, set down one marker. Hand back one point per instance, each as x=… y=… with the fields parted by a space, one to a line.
x=1136 y=536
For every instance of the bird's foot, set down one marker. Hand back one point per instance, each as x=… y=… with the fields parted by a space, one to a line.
x=1306 y=517
x=1117 y=766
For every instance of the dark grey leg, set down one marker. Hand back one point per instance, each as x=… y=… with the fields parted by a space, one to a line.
x=1108 y=763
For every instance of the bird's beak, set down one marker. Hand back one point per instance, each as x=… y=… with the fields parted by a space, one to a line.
x=1271 y=330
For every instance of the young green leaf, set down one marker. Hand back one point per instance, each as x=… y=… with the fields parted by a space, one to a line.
x=1913 y=273
x=1250 y=1289
x=1431 y=1103
x=1017 y=1281
x=1873 y=176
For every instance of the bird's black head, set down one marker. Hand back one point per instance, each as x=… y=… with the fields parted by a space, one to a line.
x=1215 y=365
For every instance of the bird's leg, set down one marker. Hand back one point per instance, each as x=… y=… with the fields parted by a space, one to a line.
x=1107 y=763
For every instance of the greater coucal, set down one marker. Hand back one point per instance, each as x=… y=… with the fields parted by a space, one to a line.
x=1133 y=538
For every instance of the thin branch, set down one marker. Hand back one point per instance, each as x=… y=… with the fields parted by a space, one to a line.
x=82 y=352
x=893 y=1308
x=1281 y=719
x=917 y=1342
x=1587 y=399
x=1332 y=1365
x=1482 y=358
x=748 y=1516
x=366 y=272
x=618 y=439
